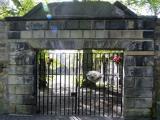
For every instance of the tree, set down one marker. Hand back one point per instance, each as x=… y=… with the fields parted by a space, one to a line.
x=153 y=5
x=20 y=8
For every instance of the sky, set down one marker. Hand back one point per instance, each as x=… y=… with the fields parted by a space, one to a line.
x=143 y=11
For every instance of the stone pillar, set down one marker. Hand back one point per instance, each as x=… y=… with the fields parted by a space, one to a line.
x=3 y=68
x=157 y=68
x=21 y=78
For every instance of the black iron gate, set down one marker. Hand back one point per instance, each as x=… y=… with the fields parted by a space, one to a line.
x=80 y=82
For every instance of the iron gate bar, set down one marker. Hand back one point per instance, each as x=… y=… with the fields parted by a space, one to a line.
x=52 y=83
x=108 y=82
x=57 y=98
x=95 y=87
x=56 y=84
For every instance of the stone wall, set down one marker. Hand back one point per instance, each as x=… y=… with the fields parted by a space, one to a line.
x=157 y=68
x=132 y=36
x=4 y=63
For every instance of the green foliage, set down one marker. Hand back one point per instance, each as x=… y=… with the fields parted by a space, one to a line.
x=20 y=8
x=153 y=5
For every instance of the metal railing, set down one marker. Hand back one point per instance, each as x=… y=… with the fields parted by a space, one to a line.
x=80 y=83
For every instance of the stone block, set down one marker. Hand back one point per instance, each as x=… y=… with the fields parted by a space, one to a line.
x=38 y=34
x=85 y=24
x=2 y=26
x=101 y=34
x=18 y=46
x=12 y=99
x=63 y=34
x=20 y=79
x=143 y=82
x=117 y=24
x=51 y=34
x=130 y=24
x=2 y=88
x=135 y=34
x=139 y=92
x=17 y=25
x=25 y=109
x=148 y=34
x=11 y=89
x=4 y=58
x=129 y=82
x=72 y=24
x=139 y=60
x=140 y=46
x=138 y=113
x=21 y=69
x=39 y=25
x=143 y=103
x=129 y=103
x=149 y=24
x=115 y=34
x=57 y=25
x=139 y=71
x=26 y=34
x=22 y=59
x=76 y=34
x=3 y=35
x=24 y=89
x=14 y=35
x=89 y=33
x=3 y=108
x=12 y=108
x=99 y=24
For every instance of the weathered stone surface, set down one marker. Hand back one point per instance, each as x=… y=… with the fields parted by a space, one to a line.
x=148 y=34
x=25 y=109
x=63 y=34
x=139 y=60
x=17 y=25
x=24 y=89
x=130 y=24
x=143 y=103
x=142 y=82
x=132 y=34
x=76 y=34
x=130 y=103
x=39 y=25
x=72 y=24
x=135 y=34
x=51 y=34
x=58 y=25
x=26 y=34
x=38 y=34
x=20 y=79
x=18 y=46
x=3 y=35
x=89 y=33
x=117 y=24
x=11 y=89
x=139 y=92
x=138 y=113
x=85 y=24
x=4 y=58
x=22 y=69
x=12 y=108
x=23 y=59
x=129 y=82
x=101 y=34
x=99 y=24
x=139 y=71
x=3 y=108
x=2 y=26
x=14 y=35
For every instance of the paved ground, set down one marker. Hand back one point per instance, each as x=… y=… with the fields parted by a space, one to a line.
x=42 y=117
